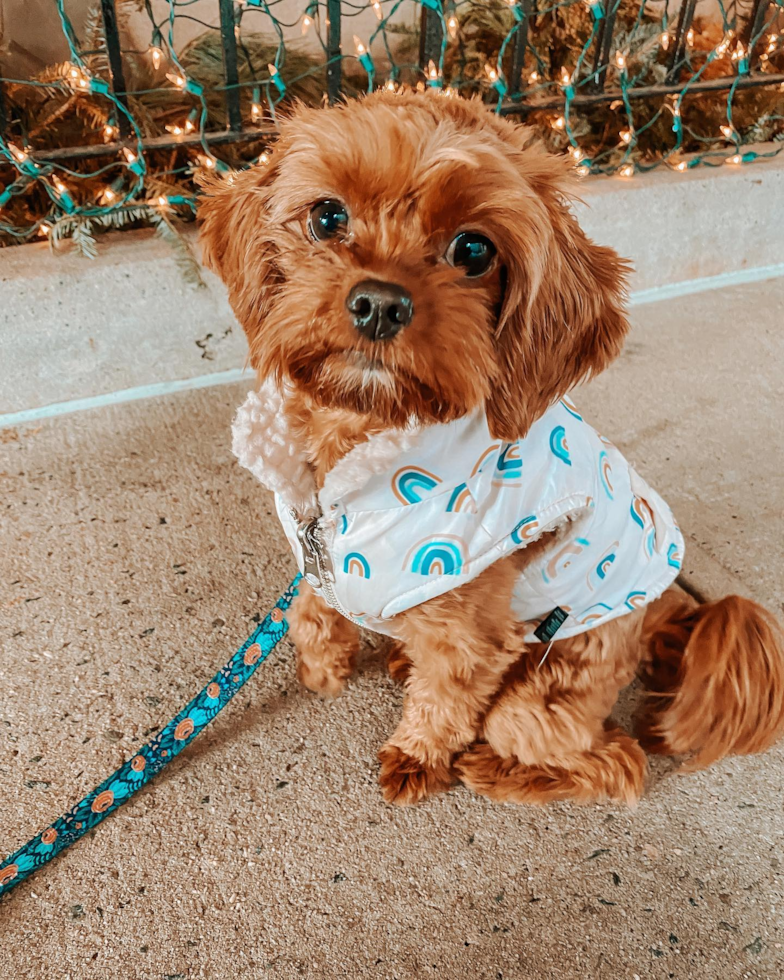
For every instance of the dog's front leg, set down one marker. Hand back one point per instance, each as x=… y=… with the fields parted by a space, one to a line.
x=459 y=646
x=326 y=642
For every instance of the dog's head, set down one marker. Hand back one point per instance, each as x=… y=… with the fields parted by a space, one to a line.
x=409 y=255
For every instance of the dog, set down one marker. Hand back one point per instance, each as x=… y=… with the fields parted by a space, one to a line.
x=415 y=289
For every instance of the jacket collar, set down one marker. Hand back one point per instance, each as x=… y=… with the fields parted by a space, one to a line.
x=263 y=443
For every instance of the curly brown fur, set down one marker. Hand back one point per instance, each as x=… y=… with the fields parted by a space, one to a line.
x=412 y=172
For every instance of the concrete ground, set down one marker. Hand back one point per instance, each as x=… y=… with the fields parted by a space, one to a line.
x=134 y=554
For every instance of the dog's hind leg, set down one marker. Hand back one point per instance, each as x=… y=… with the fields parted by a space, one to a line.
x=327 y=643
x=715 y=678
x=547 y=736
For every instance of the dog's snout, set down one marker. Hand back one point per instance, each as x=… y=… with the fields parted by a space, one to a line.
x=380 y=309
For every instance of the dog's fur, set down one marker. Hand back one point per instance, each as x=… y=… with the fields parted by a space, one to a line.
x=413 y=171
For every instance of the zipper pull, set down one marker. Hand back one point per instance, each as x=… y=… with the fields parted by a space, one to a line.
x=311 y=550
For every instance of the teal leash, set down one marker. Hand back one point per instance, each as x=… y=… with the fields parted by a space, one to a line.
x=156 y=754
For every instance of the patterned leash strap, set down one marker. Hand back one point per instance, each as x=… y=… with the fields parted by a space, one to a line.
x=156 y=754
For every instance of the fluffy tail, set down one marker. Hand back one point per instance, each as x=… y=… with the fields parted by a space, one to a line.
x=715 y=675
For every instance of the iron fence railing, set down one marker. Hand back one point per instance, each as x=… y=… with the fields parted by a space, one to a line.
x=558 y=64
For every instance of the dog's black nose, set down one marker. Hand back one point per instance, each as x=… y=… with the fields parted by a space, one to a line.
x=380 y=309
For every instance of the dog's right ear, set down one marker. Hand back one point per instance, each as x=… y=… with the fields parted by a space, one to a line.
x=236 y=243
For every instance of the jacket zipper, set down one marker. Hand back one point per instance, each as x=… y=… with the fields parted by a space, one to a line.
x=317 y=567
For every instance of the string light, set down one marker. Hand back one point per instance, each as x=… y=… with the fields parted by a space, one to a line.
x=175 y=130
x=255 y=112
x=626 y=136
x=178 y=80
x=378 y=10
x=664 y=40
x=559 y=122
x=390 y=86
x=690 y=36
x=683 y=165
x=533 y=78
x=627 y=170
x=729 y=133
x=620 y=60
x=109 y=132
x=206 y=161
x=19 y=155
x=156 y=56
x=359 y=45
x=364 y=56
x=452 y=26
x=277 y=79
x=735 y=159
x=566 y=78
x=306 y=22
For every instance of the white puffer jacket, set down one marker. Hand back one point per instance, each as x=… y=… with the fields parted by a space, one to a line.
x=410 y=514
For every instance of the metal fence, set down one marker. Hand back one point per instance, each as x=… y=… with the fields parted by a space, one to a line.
x=622 y=85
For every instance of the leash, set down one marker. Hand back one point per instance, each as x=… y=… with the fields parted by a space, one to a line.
x=156 y=754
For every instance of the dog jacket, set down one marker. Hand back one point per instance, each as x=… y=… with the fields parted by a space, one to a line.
x=411 y=514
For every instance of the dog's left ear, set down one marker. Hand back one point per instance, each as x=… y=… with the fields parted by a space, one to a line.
x=563 y=318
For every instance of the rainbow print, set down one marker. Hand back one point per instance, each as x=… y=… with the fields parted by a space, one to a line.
x=635 y=600
x=343 y=524
x=356 y=564
x=605 y=472
x=411 y=483
x=461 y=501
x=569 y=406
x=509 y=466
x=594 y=613
x=562 y=559
x=525 y=530
x=437 y=556
x=650 y=541
x=674 y=556
x=641 y=512
x=480 y=463
x=559 y=446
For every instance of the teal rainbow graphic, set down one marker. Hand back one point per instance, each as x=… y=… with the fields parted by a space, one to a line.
x=569 y=406
x=594 y=613
x=650 y=541
x=558 y=445
x=605 y=472
x=411 y=483
x=509 y=466
x=674 y=559
x=635 y=600
x=525 y=530
x=486 y=455
x=356 y=564
x=343 y=524
x=461 y=501
x=562 y=559
x=641 y=512
x=437 y=556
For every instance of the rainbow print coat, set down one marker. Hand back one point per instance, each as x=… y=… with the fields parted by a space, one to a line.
x=410 y=514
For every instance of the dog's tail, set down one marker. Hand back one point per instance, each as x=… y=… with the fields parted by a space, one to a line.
x=715 y=678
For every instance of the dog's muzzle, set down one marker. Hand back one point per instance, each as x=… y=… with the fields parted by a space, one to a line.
x=379 y=310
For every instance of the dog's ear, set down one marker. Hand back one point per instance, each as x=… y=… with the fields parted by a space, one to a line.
x=235 y=242
x=563 y=318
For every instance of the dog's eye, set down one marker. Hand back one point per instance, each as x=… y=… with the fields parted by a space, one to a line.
x=328 y=219
x=471 y=251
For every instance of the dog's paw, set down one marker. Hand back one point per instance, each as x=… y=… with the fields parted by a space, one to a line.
x=405 y=781
x=398 y=664
x=321 y=679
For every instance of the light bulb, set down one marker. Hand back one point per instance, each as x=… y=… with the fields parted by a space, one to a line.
x=390 y=86
x=109 y=131
x=566 y=78
x=627 y=170
x=452 y=26
x=378 y=10
x=533 y=78
x=361 y=49
x=177 y=80
x=664 y=40
x=728 y=132
x=690 y=36
x=626 y=136
x=255 y=112
x=157 y=56
x=559 y=123
x=620 y=59
x=432 y=71
x=682 y=166
x=109 y=195
x=306 y=22
x=19 y=155
x=130 y=156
